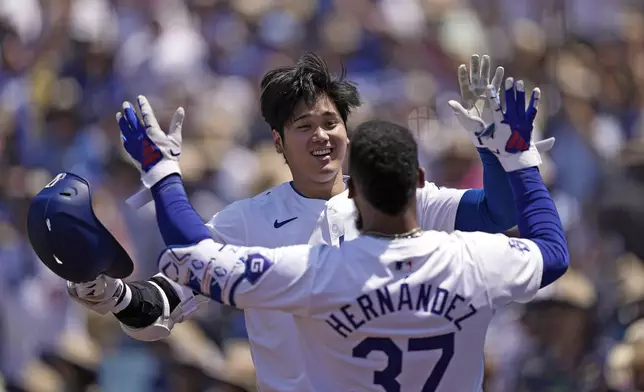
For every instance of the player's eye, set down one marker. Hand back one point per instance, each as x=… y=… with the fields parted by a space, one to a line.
x=331 y=124
x=304 y=127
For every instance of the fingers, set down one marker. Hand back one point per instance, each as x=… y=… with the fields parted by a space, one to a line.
x=177 y=123
x=126 y=131
x=520 y=108
x=475 y=70
x=494 y=103
x=485 y=69
x=498 y=78
x=464 y=84
x=149 y=120
x=464 y=118
x=458 y=109
x=533 y=106
x=131 y=118
x=510 y=101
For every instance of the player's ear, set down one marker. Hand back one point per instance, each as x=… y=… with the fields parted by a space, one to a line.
x=421 y=178
x=277 y=141
x=351 y=188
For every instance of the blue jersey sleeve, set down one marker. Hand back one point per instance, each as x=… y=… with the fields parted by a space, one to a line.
x=488 y=209
x=539 y=221
x=178 y=221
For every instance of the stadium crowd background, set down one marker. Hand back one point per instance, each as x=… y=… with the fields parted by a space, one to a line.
x=66 y=66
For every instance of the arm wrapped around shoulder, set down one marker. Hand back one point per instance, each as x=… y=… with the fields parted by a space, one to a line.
x=156 y=305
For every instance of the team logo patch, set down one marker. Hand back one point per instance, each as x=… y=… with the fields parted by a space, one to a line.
x=518 y=245
x=277 y=224
x=403 y=265
x=53 y=182
x=256 y=266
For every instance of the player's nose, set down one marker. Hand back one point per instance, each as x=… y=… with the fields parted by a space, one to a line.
x=320 y=135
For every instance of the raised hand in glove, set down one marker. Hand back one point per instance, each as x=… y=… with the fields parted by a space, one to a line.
x=473 y=85
x=509 y=136
x=155 y=152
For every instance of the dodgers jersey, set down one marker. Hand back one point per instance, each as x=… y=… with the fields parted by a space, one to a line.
x=381 y=314
x=282 y=217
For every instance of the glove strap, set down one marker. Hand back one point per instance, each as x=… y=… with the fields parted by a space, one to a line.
x=514 y=162
x=159 y=172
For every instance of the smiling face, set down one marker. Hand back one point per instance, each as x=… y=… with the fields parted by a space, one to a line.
x=314 y=143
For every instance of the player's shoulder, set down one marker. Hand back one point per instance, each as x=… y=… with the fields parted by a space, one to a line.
x=234 y=217
x=457 y=242
x=453 y=253
x=479 y=246
x=271 y=196
x=253 y=204
x=437 y=206
x=431 y=189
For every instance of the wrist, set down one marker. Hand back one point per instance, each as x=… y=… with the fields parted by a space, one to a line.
x=124 y=300
x=169 y=180
x=522 y=160
x=103 y=297
x=160 y=171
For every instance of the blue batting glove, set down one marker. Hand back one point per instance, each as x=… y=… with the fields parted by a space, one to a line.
x=516 y=116
x=155 y=153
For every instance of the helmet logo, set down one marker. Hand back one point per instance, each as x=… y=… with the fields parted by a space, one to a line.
x=53 y=182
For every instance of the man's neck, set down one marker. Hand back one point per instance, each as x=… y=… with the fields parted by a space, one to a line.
x=379 y=224
x=324 y=190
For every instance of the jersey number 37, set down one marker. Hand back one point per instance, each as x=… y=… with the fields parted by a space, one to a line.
x=387 y=377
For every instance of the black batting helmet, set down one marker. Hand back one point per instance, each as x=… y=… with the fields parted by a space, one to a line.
x=67 y=236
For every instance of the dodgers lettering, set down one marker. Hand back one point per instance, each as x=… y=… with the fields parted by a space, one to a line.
x=377 y=303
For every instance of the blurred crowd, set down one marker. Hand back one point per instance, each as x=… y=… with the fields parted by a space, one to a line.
x=67 y=65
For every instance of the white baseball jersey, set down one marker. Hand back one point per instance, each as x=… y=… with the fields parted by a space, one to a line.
x=380 y=314
x=282 y=217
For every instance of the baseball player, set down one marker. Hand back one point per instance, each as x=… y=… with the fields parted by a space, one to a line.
x=307 y=110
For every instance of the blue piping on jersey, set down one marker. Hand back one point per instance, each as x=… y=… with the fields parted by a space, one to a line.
x=488 y=209
x=298 y=192
x=539 y=221
x=178 y=221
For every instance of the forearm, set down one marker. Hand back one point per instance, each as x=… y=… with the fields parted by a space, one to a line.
x=248 y=277
x=145 y=303
x=488 y=209
x=178 y=222
x=148 y=310
x=149 y=304
x=539 y=221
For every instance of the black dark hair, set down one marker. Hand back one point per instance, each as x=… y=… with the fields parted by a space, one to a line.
x=283 y=88
x=383 y=161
